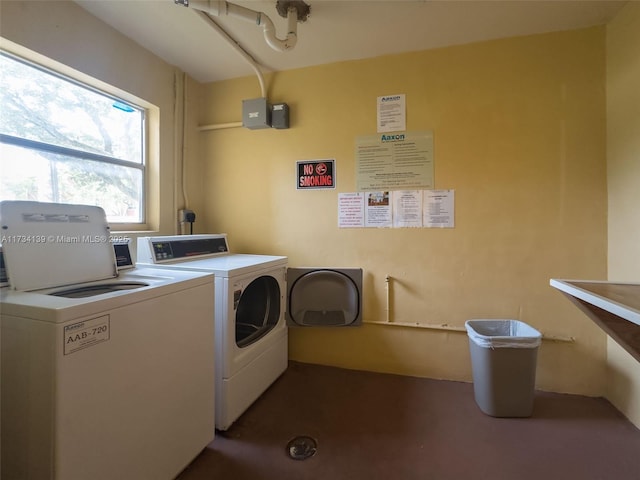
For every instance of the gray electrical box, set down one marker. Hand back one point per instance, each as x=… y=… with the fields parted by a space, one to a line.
x=280 y=115
x=256 y=113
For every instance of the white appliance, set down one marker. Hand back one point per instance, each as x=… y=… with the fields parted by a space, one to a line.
x=104 y=375
x=250 y=329
x=257 y=296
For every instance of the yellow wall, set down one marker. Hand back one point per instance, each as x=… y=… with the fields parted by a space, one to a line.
x=519 y=130
x=519 y=127
x=623 y=174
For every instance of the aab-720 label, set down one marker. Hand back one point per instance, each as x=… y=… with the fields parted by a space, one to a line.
x=87 y=333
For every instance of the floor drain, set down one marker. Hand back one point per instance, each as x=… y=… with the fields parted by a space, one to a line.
x=302 y=447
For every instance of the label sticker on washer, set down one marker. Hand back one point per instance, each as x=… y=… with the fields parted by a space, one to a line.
x=86 y=334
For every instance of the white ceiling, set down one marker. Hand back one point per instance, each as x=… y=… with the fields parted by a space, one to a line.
x=336 y=30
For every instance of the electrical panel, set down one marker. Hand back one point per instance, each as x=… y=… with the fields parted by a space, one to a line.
x=280 y=115
x=256 y=113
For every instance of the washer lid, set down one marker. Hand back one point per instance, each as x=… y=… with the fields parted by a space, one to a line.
x=51 y=244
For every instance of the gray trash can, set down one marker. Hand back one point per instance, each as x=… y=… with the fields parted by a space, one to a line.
x=503 y=361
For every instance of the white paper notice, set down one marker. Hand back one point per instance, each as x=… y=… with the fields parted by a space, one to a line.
x=407 y=208
x=377 y=209
x=392 y=113
x=438 y=208
x=351 y=210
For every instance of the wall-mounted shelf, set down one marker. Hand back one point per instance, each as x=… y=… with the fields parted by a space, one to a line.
x=614 y=306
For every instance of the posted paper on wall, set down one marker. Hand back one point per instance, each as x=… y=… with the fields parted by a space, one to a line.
x=378 y=210
x=438 y=208
x=392 y=113
x=397 y=209
x=407 y=208
x=400 y=161
x=351 y=210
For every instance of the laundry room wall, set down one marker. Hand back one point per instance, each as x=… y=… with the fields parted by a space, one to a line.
x=65 y=37
x=623 y=176
x=519 y=129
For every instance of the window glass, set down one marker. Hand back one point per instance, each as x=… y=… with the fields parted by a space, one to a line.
x=64 y=142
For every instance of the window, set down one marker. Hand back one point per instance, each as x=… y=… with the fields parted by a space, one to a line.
x=64 y=142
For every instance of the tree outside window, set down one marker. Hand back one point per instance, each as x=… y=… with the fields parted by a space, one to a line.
x=64 y=142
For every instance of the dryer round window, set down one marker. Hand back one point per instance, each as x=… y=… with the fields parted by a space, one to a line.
x=257 y=310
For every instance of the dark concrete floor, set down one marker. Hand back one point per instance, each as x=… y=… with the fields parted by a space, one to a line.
x=378 y=426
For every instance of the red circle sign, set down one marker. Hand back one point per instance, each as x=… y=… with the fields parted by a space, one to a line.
x=321 y=168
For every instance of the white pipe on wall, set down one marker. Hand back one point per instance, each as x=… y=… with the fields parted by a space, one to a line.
x=219 y=126
x=220 y=7
x=387 y=281
x=451 y=328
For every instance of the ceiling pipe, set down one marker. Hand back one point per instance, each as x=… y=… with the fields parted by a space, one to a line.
x=243 y=53
x=295 y=11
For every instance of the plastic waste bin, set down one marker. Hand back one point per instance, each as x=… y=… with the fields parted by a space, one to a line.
x=503 y=362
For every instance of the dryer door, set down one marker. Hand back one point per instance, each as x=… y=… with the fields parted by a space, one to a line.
x=324 y=297
x=257 y=309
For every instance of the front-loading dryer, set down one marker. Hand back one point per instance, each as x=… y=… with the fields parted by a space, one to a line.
x=250 y=329
x=253 y=337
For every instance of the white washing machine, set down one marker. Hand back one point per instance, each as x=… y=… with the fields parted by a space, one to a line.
x=104 y=374
x=254 y=305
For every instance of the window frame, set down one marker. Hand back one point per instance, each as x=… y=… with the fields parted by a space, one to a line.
x=148 y=111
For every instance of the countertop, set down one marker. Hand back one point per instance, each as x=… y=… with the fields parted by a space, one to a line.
x=614 y=306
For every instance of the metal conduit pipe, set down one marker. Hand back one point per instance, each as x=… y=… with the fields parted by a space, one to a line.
x=237 y=48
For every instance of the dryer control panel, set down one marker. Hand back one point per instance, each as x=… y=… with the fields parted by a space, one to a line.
x=180 y=247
